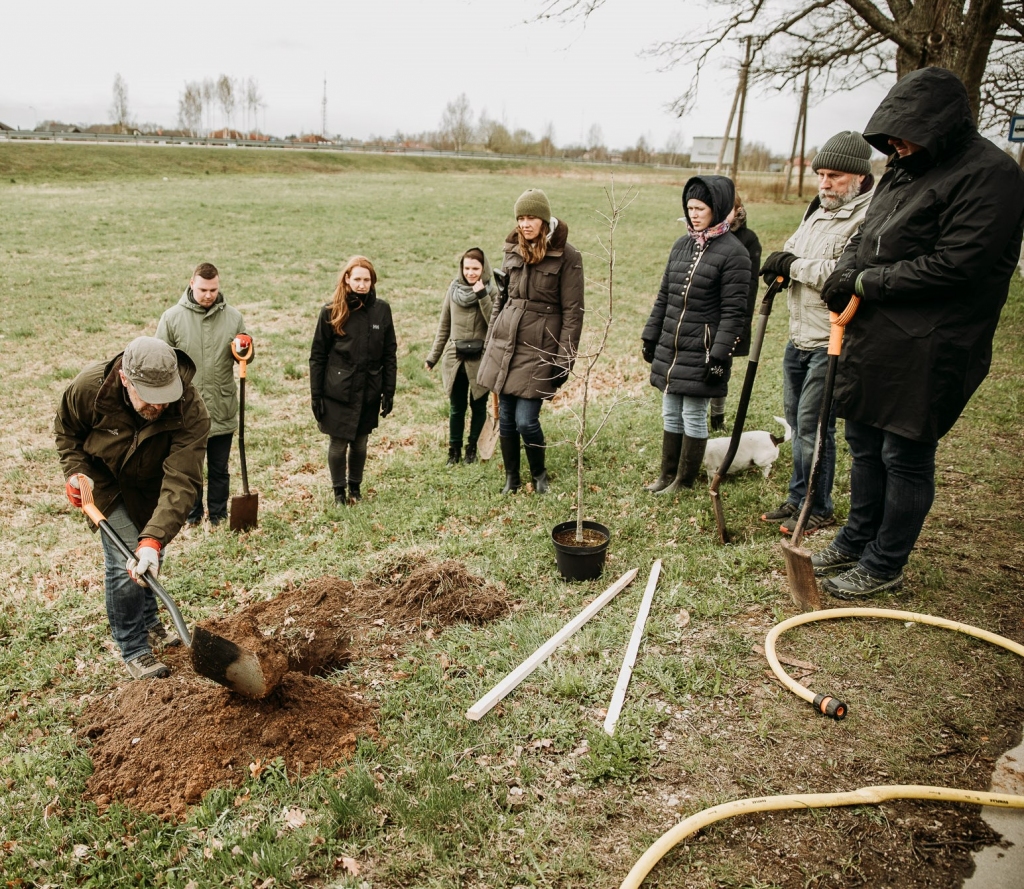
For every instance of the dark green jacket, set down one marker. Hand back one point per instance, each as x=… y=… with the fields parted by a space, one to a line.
x=152 y=468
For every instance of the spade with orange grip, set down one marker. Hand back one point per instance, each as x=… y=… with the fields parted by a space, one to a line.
x=244 y=506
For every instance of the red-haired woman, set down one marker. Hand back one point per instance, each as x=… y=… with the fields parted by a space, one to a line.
x=353 y=368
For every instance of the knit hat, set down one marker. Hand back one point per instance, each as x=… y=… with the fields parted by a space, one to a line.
x=697 y=191
x=847 y=152
x=533 y=202
x=152 y=367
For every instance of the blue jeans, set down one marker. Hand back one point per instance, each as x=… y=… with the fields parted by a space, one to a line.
x=685 y=414
x=520 y=416
x=218 y=481
x=131 y=609
x=803 y=384
x=892 y=486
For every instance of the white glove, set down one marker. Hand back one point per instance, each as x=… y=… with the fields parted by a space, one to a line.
x=146 y=561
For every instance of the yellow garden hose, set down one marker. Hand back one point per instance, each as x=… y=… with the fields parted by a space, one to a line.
x=831 y=707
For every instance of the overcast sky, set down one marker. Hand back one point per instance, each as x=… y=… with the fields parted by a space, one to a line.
x=390 y=65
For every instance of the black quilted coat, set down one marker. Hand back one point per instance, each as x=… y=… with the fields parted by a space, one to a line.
x=701 y=307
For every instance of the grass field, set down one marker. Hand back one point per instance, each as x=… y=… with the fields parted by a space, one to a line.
x=95 y=242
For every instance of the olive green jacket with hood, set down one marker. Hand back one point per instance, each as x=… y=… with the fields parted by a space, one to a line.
x=152 y=468
x=205 y=335
x=463 y=323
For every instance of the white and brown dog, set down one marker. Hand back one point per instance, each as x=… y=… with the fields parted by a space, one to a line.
x=756 y=448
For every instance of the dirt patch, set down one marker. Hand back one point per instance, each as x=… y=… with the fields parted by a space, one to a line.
x=160 y=745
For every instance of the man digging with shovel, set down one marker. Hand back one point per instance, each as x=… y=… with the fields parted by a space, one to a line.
x=932 y=265
x=135 y=427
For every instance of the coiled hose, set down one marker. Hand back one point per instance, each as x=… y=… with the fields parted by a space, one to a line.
x=837 y=710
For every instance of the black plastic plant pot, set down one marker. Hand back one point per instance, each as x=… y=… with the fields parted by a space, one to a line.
x=580 y=561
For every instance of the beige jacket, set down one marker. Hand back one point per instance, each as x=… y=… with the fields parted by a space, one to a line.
x=818 y=243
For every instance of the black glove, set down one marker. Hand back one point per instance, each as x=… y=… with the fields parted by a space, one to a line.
x=778 y=263
x=648 y=350
x=560 y=376
x=714 y=370
x=839 y=288
x=387 y=402
x=317 y=403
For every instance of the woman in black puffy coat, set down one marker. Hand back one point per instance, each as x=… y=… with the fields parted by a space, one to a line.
x=697 y=320
x=353 y=368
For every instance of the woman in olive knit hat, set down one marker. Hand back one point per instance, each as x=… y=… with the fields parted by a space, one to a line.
x=534 y=332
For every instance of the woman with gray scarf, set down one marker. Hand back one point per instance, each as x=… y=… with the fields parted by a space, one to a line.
x=459 y=345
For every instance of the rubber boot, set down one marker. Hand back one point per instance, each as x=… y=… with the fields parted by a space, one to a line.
x=339 y=495
x=454 y=454
x=510 y=455
x=673 y=486
x=691 y=460
x=470 y=453
x=535 y=457
x=718 y=422
x=354 y=494
x=671 y=448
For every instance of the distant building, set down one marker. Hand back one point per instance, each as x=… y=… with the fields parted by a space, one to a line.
x=706 y=149
x=4 y=128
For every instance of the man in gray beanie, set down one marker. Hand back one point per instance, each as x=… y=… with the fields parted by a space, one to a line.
x=844 y=190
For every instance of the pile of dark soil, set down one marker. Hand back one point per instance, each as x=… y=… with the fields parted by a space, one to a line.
x=160 y=745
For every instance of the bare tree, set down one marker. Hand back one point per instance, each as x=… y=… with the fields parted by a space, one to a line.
x=190 y=108
x=254 y=100
x=457 y=122
x=850 y=42
x=119 y=108
x=209 y=93
x=673 y=150
x=547 y=146
x=226 y=97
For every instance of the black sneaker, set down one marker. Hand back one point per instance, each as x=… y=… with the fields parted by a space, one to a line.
x=146 y=666
x=159 y=636
x=858 y=584
x=782 y=512
x=814 y=523
x=831 y=558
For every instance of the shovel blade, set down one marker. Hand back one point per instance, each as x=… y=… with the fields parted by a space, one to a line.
x=716 y=506
x=243 y=511
x=488 y=438
x=230 y=665
x=803 y=585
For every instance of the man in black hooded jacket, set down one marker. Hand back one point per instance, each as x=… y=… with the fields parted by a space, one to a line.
x=932 y=265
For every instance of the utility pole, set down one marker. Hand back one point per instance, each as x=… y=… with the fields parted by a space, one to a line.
x=796 y=134
x=739 y=119
x=803 y=136
x=728 y=129
x=323 y=111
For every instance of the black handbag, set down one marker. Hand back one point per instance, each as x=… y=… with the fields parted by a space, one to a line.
x=469 y=348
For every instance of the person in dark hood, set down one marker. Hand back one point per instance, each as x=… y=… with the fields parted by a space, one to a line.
x=748 y=238
x=459 y=344
x=353 y=370
x=534 y=333
x=697 y=320
x=932 y=265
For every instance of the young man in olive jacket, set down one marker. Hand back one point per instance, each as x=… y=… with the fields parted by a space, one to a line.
x=204 y=326
x=932 y=265
x=135 y=429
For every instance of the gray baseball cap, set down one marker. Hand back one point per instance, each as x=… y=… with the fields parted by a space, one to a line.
x=152 y=367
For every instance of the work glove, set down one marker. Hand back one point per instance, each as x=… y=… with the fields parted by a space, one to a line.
x=714 y=370
x=73 y=487
x=317 y=403
x=243 y=344
x=839 y=289
x=647 y=348
x=387 y=403
x=146 y=561
x=778 y=263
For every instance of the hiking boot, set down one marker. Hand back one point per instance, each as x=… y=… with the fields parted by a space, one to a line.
x=145 y=666
x=454 y=454
x=470 y=453
x=814 y=523
x=354 y=494
x=831 y=558
x=671 y=448
x=858 y=584
x=780 y=513
x=159 y=636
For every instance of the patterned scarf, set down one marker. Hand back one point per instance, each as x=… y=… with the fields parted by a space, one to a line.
x=713 y=231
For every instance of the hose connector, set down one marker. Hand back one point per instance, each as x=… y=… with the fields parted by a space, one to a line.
x=830 y=706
